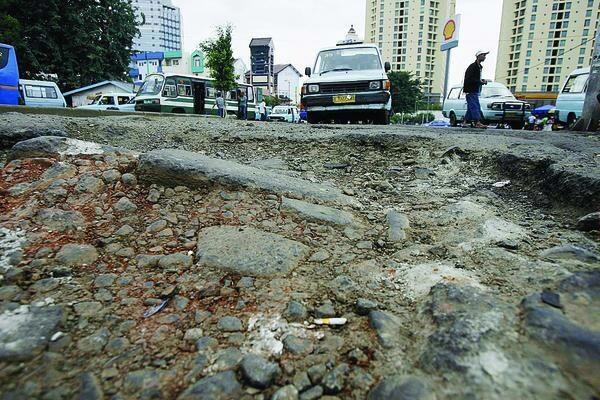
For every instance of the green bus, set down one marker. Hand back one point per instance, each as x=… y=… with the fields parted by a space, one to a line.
x=189 y=94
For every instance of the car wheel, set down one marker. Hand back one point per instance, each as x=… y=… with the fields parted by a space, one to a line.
x=453 y=120
x=571 y=120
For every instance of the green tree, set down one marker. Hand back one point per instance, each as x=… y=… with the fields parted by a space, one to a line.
x=406 y=91
x=81 y=41
x=272 y=101
x=219 y=59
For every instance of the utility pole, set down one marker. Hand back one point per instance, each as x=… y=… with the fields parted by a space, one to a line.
x=590 y=118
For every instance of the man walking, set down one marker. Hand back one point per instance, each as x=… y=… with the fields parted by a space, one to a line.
x=243 y=111
x=262 y=109
x=472 y=88
x=220 y=104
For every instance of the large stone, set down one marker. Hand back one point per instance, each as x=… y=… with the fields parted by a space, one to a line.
x=77 y=254
x=177 y=167
x=387 y=326
x=55 y=146
x=258 y=372
x=397 y=225
x=9 y=135
x=400 y=388
x=573 y=340
x=590 y=222
x=89 y=387
x=125 y=205
x=466 y=318
x=249 y=252
x=25 y=332
x=59 y=220
x=317 y=213
x=222 y=386
x=571 y=252
x=288 y=392
x=176 y=261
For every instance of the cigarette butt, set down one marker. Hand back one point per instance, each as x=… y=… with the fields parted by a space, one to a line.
x=331 y=321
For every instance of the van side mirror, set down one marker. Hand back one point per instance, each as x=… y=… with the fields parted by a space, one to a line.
x=307 y=71
x=387 y=66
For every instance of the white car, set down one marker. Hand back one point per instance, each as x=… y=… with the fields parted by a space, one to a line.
x=285 y=114
x=570 y=101
x=41 y=94
x=110 y=101
x=349 y=82
x=498 y=105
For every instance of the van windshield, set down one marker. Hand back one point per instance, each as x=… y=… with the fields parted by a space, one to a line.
x=152 y=85
x=576 y=83
x=352 y=59
x=496 y=91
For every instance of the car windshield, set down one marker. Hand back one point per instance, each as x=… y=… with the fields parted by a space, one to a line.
x=351 y=59
x=496 y=91
x=152 y=85
x=96 y=100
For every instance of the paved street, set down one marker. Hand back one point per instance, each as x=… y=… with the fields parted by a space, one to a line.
x=178 y=257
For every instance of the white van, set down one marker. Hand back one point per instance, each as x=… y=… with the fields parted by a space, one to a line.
x=110 y=101
x=41 y=94
x=285 y=114
x=569 y=104
x=498 y=105
x=349 y=83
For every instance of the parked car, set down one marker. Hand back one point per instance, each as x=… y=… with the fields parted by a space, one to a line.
x=498 y=105
x=349 y=82
x=285 y=114
x=41 y=94
x=569 y=104
x=110 y=101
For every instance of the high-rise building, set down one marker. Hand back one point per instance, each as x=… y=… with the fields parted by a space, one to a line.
x=542 y=41
x=409 y=35
x=161 y=27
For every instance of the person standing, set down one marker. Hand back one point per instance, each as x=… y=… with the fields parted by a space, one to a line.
x=243 y=111
x=472 y=88
x=262 y=109
x=220 y=104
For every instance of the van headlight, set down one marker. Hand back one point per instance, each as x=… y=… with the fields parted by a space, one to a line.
x=375 y=85
x=313 y=88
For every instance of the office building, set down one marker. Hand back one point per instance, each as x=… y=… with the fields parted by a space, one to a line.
x=542 y=41
x=160 y=26
x=409 y=35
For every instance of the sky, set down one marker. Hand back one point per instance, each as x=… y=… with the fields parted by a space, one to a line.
x=300 y=28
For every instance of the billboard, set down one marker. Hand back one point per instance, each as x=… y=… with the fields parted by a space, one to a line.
x=451 y=32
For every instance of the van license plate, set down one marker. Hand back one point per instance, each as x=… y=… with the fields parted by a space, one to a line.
x=345 y=99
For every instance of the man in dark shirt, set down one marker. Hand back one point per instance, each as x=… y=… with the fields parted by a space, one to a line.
x=472 y=88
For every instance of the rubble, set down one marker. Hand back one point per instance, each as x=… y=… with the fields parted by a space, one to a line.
x=132 y=271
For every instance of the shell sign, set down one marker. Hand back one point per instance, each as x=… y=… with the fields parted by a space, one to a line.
x=450 y=33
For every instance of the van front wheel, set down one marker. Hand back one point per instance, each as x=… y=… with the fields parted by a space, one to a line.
x=382 y=118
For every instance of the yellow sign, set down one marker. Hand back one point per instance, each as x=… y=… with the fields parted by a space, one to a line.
x=345 y=99
x=449 y=30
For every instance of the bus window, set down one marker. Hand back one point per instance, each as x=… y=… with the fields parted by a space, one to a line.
x=40 y=92
x=211 y=92
x=184 y=87
x=250 y=94
x=3 y=56
x=232 y=95
x=170 y=89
